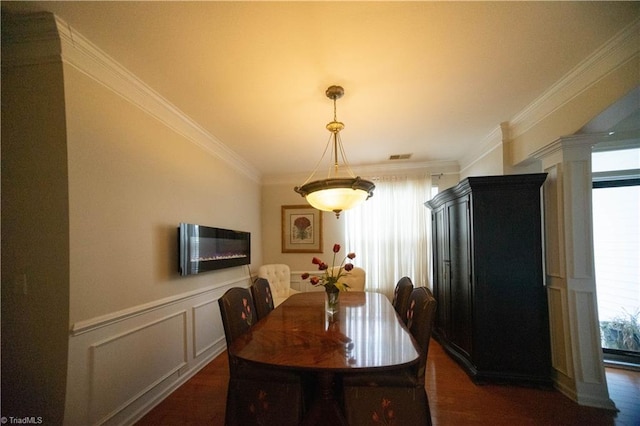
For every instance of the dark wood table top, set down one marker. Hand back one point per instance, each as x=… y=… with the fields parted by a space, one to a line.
x=365 y=335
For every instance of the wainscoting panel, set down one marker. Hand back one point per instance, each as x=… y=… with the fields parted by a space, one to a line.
x=554 y=247
x=579 y=221
x=557 y=306
x=589 y=336
x=207 y=327
x=123 y=364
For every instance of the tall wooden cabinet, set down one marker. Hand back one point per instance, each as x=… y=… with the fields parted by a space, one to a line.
x=492 y=314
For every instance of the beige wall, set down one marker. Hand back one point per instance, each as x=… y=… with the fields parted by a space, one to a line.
x=274 y=196
x=132 y=180
x=35 y=242
x=490 y=164
x=96 y=321
x=578 y=111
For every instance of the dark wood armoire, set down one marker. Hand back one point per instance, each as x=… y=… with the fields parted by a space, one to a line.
x=492 y=312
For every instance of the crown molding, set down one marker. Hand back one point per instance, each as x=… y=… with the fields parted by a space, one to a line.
x=608 y=141
x=490 y=143
x=50 y=39
x=622 y=48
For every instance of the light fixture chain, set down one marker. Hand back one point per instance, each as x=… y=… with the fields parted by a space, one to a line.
x=347 y=166
x=329 y=194
x=315 y=169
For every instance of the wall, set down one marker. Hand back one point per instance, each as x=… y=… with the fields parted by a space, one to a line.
x=489 y=164
x=274 y=196
x=541 y=136
x=103 y=281
x=278 y=191
x=35 y=238
x=598 y=82
x=132 y=180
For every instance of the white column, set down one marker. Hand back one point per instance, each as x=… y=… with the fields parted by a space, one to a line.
x=570 y=274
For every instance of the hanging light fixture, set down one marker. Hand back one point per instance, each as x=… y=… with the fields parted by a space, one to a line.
x=335 y=193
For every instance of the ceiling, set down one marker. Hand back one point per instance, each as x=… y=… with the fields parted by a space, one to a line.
x=431 y=79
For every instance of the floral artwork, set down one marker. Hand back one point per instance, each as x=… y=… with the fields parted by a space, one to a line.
x=410 y=314
x=246 y=314
x=386 y=415
x=260 y=408
x=395 y=296
x=301 y=229
x=267 y=296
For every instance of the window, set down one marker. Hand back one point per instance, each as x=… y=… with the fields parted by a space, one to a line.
x=616 y=223
x=389 y=233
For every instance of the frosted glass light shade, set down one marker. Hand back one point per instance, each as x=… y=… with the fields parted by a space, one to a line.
x=335 y=195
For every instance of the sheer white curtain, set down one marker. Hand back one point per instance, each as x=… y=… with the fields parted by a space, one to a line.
x=390 y=233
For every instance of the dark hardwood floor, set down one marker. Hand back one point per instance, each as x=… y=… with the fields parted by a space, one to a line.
x=454 y=399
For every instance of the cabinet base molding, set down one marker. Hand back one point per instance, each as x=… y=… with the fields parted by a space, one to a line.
x=480 y=377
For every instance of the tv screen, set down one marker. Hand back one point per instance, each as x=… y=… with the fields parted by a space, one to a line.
x=203 y=248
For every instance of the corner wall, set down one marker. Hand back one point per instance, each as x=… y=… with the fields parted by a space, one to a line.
x=274 y=196
x=536 y=138
x=35 y=236
x=108 y=313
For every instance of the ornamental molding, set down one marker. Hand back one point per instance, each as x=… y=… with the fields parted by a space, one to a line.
x=622 y=48
x=618 y=51
x=43 y=38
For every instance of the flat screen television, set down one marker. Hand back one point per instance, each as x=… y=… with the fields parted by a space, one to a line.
x=203 y=248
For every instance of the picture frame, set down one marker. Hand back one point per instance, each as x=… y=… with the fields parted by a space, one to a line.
x=301 y=229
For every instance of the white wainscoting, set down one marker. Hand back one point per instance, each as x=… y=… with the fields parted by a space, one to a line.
x=123 y=364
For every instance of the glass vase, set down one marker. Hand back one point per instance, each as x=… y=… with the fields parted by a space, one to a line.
x=332 y=302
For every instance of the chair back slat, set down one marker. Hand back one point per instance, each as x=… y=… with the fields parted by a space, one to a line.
x=401 y=297
x=419 y=316
x=238 y=312
x=262 y=297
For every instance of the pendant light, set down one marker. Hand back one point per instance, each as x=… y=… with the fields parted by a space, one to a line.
x=335 y=193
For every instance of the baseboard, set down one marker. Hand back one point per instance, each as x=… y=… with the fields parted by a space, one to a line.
x=151 y=404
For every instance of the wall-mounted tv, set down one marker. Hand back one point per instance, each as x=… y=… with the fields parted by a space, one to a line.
x=203 y=248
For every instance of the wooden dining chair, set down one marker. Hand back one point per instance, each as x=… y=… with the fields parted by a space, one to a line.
x=401 y=294
x=262 y=297
x=256 y=395
x=397 y=396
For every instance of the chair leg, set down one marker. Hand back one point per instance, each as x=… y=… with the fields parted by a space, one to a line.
x=366 y=405
x=258 y=402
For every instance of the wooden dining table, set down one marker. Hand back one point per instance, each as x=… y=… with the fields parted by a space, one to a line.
x=365 y=335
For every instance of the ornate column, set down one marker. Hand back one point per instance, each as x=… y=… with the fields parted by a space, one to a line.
x=570 y=274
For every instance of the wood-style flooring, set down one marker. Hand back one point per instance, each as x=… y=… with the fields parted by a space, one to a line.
x=454 y=399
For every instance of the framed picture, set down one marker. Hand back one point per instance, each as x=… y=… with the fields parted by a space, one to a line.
x=301 y=229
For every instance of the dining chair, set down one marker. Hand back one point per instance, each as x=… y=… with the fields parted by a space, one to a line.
x=279 y=277
x=396 y=395
x=401 y=297
x=255 y=394
x=262 y=297
x=355 y=278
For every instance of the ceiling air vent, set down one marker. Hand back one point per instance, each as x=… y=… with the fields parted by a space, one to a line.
x=400 y=157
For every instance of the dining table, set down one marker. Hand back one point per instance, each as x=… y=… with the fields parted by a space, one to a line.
x=365 y=335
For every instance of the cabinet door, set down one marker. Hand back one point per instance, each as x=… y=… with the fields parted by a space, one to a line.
x=460 y=278
x=441 y=268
